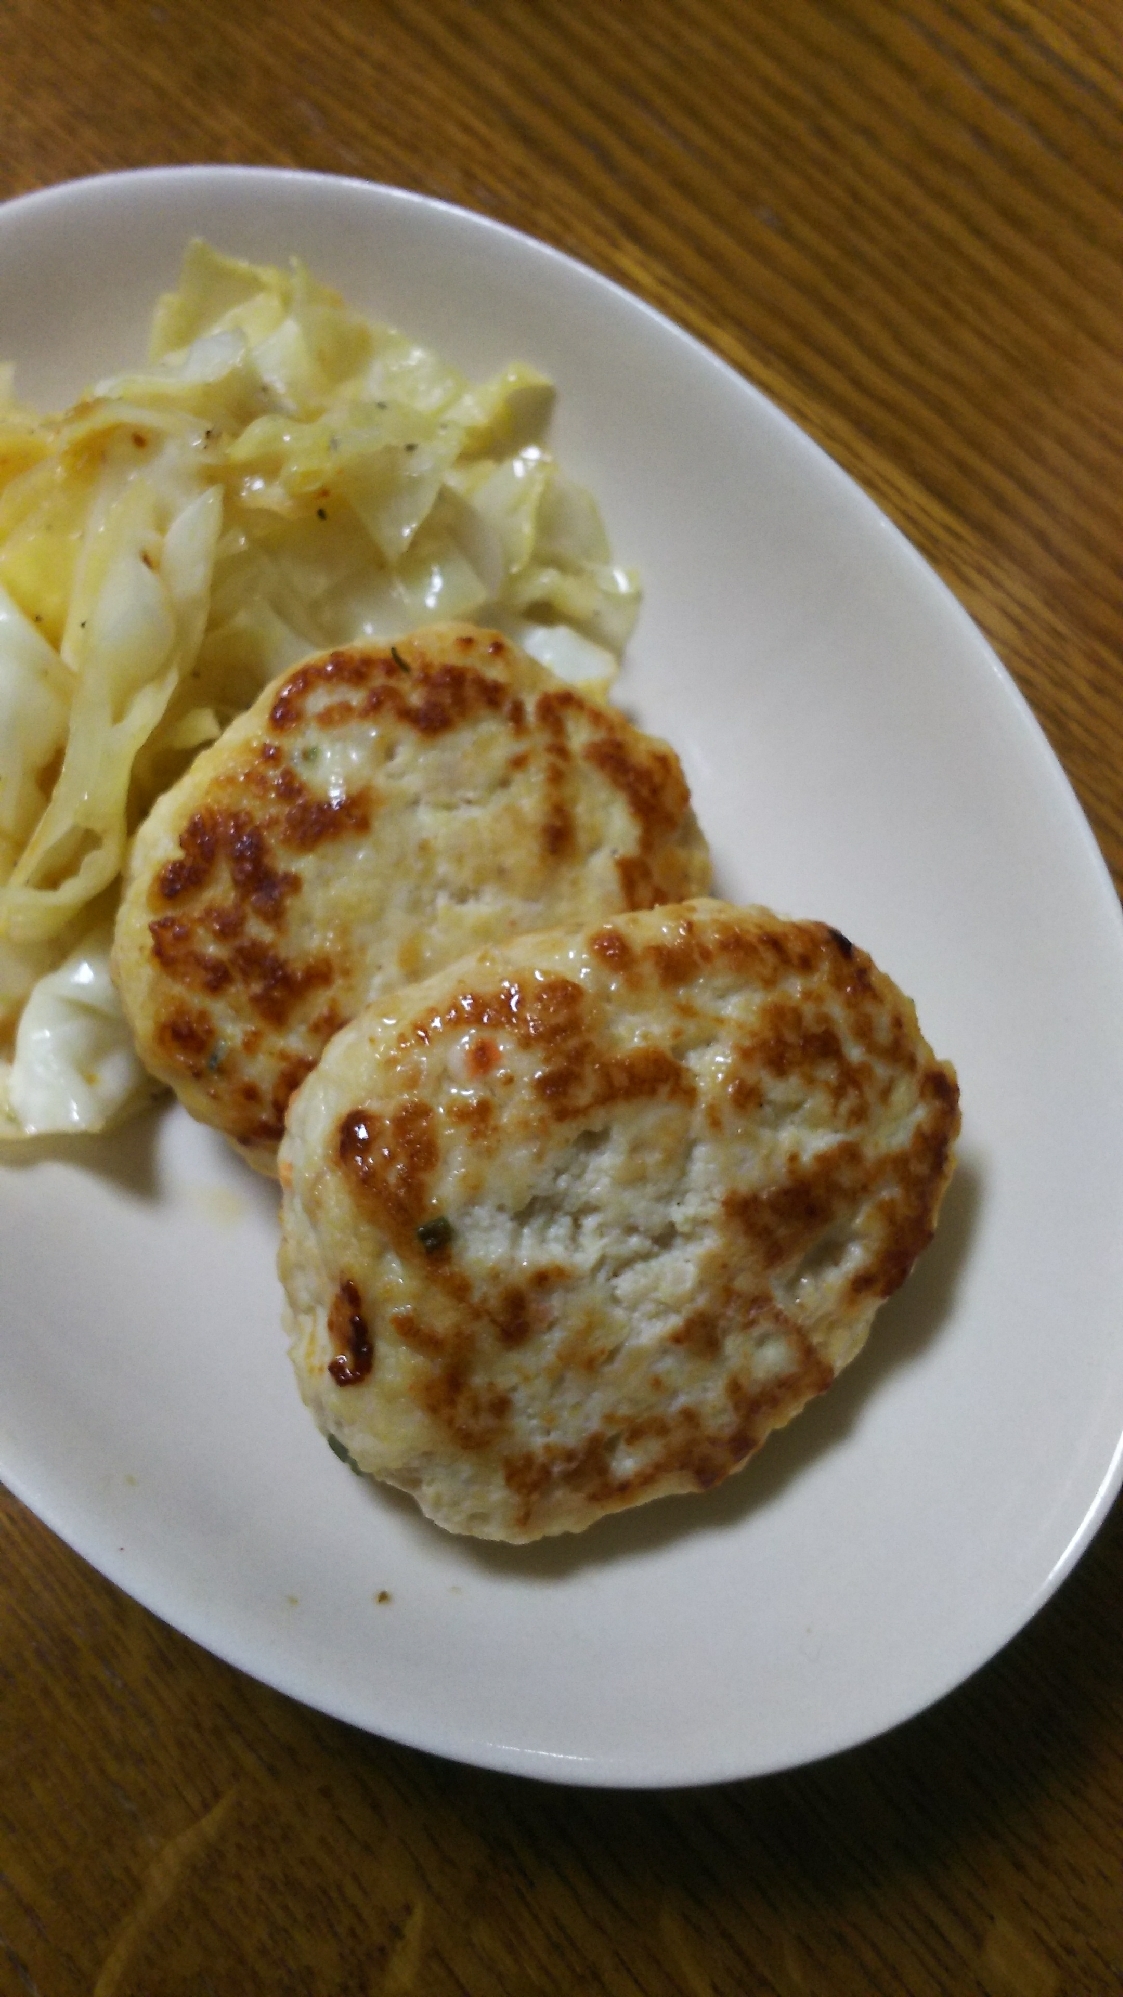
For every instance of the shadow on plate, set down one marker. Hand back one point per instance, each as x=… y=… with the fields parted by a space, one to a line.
x=128 y=1156
x=903 y=1329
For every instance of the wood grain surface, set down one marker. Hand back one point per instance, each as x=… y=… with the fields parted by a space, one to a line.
x=905 y=223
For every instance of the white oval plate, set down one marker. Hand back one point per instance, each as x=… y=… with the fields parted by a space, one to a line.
x=857 y=754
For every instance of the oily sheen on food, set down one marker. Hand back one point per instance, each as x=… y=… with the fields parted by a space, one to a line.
x=381 y=810
x=578 y=1221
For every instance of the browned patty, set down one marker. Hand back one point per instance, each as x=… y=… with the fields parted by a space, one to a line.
x=579 y=1220
x=377 y=813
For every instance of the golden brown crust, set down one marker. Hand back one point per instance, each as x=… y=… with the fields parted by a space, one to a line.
x=618 y=1203
x=380 y=810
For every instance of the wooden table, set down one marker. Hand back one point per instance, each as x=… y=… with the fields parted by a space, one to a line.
x=904 y=220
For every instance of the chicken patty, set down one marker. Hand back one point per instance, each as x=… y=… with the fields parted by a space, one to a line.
x=577 y=1221
x=377 y=813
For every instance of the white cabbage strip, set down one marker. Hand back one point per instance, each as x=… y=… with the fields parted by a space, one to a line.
x=74 y=1066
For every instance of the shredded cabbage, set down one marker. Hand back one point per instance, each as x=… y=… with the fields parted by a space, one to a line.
x=75 y=1067
x=34 y=701
x=280 y=476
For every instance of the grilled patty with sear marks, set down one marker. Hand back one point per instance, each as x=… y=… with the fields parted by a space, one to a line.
x=377 y=813
x=579 y=1220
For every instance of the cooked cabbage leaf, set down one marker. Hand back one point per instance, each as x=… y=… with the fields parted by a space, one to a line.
x=35 y=691
x=75 y=1067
